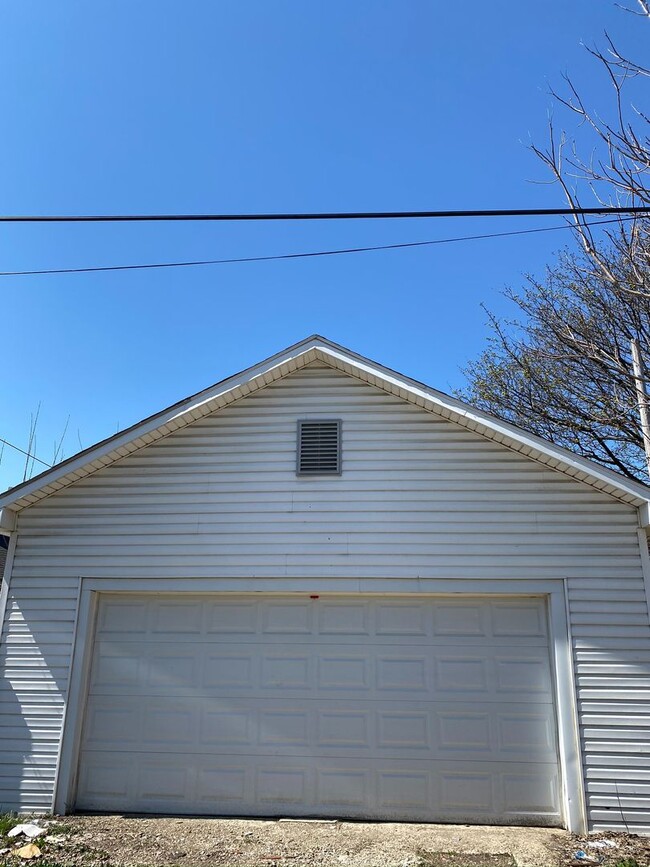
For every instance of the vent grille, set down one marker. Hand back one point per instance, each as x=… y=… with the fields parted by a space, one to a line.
x=319 y=447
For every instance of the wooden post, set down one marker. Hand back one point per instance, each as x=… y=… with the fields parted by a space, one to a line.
x=642 y=396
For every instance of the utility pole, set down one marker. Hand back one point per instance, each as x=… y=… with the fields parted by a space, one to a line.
x=642 y=396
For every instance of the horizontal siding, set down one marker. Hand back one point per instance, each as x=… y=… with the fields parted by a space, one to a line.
x=612 y=669
x=35 y=660
x=419 y=498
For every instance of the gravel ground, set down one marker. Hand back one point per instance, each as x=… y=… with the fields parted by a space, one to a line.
x=606 y=849
x=116 y=841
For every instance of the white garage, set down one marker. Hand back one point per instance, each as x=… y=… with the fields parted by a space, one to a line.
x=320 y=588
x=436 y=709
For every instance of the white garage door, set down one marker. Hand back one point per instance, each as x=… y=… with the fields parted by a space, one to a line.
x=437 y=710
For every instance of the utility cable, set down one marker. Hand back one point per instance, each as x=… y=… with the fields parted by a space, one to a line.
x=307 y=255
x=341 y=215
x=23 y=452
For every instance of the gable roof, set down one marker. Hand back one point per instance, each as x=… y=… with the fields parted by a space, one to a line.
x=316 y=348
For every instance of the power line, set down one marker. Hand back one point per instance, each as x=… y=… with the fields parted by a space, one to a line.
x=307 y=255
x=340 y=215
x=23 y=452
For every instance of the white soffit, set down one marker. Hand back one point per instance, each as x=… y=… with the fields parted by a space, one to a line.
x=286 y=362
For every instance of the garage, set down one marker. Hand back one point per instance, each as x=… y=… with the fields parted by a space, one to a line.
x=385 y=707
x=321 y=588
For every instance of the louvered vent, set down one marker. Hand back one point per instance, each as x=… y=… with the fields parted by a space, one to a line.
x=319 y=447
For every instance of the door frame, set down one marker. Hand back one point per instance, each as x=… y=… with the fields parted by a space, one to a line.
x=553 y=590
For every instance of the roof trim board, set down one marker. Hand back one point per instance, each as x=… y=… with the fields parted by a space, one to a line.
x=317 y=348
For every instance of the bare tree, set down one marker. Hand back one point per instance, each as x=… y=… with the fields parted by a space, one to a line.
x=29 y=453
x=58 y=444
x=31 y=442
x=616 y=167
x=565 y=369
x=573 y=367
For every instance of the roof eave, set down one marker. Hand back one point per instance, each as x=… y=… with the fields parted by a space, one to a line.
x=159 y=425
x=501 y=431
x=283 y=363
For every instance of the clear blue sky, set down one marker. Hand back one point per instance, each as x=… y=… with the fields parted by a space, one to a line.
x=251 y=105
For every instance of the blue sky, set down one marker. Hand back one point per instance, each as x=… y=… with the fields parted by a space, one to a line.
x=252 y=105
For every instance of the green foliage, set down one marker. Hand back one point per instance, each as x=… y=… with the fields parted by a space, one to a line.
x=7 y=822
x=61 y=828
x=41 y=862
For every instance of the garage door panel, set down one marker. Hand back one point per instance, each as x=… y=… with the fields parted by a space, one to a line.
x=396 y=672
x=387 y=708
x=518 y=619
x=113 y=723
x=298 y=639
x=428 y=730
x=124 y=616
x=177 y=618
x=272 y=786
x=522 y=621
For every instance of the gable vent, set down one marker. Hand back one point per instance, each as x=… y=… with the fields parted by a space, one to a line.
x=319 y=447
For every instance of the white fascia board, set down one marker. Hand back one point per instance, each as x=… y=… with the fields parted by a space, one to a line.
x=293 y=358
x=509 y=433
x=176 y=416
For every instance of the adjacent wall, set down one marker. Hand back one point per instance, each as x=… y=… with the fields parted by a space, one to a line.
x=418 y=498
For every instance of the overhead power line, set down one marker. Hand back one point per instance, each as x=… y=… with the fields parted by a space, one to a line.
x=307 y=255
x=23 y=452
x=340 y=215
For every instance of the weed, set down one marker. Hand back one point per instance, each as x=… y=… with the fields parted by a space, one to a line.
x=48 y=863
x=458 y=859
x=41 y=863
x=7 y=822
x=627 y=862
x=61 y=828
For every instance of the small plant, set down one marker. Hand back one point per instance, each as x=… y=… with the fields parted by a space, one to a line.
x=47 y=863
x=627 y=862
x=61 y=828
x=7 y=822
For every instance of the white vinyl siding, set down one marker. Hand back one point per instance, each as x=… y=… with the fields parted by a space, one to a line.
x=420 y=498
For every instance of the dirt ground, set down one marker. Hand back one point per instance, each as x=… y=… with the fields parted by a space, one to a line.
x=116 y=841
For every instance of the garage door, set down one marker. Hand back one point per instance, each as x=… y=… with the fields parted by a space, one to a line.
x=436 y=710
